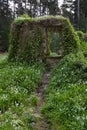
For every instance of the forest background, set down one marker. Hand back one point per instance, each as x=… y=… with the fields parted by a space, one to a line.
x=75 y=10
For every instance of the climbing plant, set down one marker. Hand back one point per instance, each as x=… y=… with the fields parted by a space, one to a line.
x=29 y=37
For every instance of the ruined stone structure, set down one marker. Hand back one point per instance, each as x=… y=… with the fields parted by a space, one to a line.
x=30 y=37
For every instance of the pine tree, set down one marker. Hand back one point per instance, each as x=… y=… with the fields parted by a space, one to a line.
x=80 y=14
x=5 y=20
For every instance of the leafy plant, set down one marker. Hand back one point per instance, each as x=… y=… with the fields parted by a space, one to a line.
x=67 y=110
x=65 y=106
x=34 y=100
x=17 y=83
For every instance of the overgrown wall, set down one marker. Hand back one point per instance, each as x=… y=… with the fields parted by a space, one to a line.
x=29 y=40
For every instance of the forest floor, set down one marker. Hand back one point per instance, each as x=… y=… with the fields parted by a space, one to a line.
x=28 y=92
x=40 y=122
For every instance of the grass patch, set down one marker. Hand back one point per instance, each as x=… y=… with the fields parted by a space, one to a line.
x=3 y=56
x=67 y=110
x=53 y=54
x=66 y=102
x=17 y=84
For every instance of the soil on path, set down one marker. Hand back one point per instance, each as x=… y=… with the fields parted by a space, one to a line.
x=41 y=123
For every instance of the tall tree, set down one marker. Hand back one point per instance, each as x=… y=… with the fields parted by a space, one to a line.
x=76 y=11
x=80 y=14
x=5 y=20
x=50 y=7
x=67 y=9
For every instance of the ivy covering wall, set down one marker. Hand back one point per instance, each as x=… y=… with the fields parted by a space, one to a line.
x=29 y=39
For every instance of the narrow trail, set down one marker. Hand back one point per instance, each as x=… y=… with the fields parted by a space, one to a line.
x=41 y=124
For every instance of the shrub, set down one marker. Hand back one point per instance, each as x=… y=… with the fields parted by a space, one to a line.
x=67 y=110
x=80 y=34
x=83 y=38
x=70 y=70
x=65 y=106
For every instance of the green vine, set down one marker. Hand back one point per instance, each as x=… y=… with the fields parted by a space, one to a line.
x=26 y=37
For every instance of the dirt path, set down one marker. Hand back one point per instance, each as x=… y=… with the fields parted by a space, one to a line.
x=41 y=124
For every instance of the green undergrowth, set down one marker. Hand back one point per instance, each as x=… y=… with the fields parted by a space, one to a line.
x=66 y=102
x=83 y=39
x=18 y=83
x=84 y=48
x=3 y=56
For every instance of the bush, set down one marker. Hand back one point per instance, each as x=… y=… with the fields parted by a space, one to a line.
x=83 y=38
x=80 y=34
x=70 y=70
x=65 y=106
x=67 y=110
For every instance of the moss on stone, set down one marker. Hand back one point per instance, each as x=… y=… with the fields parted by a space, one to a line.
x=29 y=37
